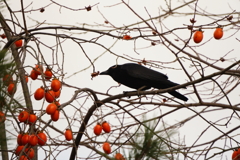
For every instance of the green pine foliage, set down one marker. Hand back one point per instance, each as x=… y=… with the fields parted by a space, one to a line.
x=5 y=63
x=152 y=143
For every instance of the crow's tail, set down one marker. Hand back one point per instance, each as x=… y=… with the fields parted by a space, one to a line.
x=178 y=95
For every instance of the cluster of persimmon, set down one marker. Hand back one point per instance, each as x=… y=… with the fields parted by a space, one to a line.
x=198 y=35
x=106 y=146
x=50 y=95
x=26 y=141
x=38 y=70
x=107 y=129
x=236 y=154
x=99 y=127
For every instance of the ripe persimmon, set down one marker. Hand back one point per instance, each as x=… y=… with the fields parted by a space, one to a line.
x=33 y=140
x=97 y=129
x=51 y=108
x=29 y=152
x=19 y=149
x=42 y=138
x=57 y=94
x=127 y=37
x=119 y=156
x=198 y=36
x=33 y=75
x=32 y=119
x=218 y=33
x=26 y=78
x=48 y=73
x=236 y=154
x=38 y=69
x=23 y=116
x=18 y=43
x=2 y=117
x=55 y=116
x=19 y=139
x=49 y=96
x=56 y=85
x=39 y=93
x=23 y=157
x=11 y=88
x=68 y=135
x=106 y=147
x=25 y=139
x=106 y=127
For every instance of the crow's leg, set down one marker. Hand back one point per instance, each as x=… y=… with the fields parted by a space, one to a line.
x=141 y=89
x=138 y=90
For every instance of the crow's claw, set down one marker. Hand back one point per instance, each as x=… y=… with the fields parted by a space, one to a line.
x=126 y=92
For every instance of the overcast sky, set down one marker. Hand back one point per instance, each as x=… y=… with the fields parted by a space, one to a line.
x=119 y=15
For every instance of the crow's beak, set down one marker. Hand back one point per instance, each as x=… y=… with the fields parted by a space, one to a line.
x=104 y=73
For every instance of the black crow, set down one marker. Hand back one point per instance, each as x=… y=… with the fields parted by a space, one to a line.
x=141 y=78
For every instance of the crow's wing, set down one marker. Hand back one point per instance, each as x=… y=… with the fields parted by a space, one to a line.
x=140 y=71
x=153 y=78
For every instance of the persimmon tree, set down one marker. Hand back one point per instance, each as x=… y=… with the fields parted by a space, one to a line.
x=62 y=47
